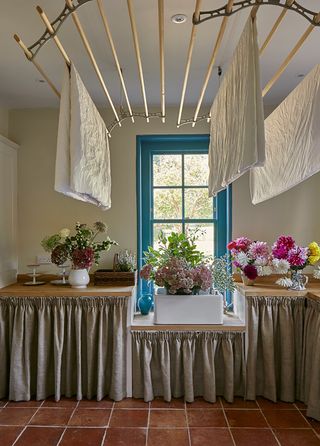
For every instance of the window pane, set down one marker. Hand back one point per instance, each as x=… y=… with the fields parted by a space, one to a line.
x=167 y=203
x=197 y=204
x=196 y=170
x=166 y=228
x=167 y=170
x=205 y=242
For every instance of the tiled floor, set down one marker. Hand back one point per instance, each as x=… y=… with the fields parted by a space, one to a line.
x=136 y=423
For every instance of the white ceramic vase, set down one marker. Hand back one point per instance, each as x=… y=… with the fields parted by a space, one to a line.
x=79 y=278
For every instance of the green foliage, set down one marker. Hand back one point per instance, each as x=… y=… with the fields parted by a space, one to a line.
x=126 y=261
x=50 y=242
x=221 y=268
x=178 y=245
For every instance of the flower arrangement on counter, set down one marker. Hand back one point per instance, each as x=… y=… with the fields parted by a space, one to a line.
x=251 y=258
x=181 y=268
x=290 y=257
x=81 y=248
x=256 y=258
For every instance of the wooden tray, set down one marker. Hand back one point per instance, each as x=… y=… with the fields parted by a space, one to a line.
x=114 y=278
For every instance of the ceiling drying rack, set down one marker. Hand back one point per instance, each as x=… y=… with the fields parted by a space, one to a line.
x=232 y=7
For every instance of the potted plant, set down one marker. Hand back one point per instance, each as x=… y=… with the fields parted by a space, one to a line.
x=184 y=278
x=123 y=273
x=81 y=248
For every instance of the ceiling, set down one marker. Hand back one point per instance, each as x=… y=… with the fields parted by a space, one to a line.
x=19 y=80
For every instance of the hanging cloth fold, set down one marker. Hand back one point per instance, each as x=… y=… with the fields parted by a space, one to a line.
x=237 y=121
x=292 y=141
x=83 y=157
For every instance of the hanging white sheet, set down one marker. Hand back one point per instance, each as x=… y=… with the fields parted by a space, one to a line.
x=292 y=141
x=83 y=157
x=237 y=121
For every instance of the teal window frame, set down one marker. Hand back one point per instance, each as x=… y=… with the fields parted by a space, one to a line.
x=149 y=145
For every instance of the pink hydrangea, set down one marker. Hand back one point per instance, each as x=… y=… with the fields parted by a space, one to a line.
x=202 y=277
x=145 y=272
x=82 y=258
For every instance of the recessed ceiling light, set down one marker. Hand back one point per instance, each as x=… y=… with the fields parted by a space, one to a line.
x=179 y=18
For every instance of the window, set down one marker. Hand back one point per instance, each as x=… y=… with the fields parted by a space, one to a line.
x=172 y=191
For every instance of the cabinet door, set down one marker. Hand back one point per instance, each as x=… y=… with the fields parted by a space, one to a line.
x=8 y=212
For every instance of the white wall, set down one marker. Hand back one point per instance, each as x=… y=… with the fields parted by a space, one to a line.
x=4 y=122
x=43 y=211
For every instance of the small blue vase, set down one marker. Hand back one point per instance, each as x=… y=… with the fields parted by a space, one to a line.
x=145 y=303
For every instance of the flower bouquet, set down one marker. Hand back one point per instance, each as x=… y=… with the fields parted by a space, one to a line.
x=177 y=265
x=288 y=257
x=250 y=258
x=81 y=249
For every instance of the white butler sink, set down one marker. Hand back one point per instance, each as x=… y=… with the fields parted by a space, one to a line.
x=200 y=309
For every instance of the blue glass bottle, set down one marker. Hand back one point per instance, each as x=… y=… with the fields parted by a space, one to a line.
x=145 y=303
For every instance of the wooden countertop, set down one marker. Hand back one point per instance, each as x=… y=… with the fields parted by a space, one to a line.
x=271 y=289
x=48 y=290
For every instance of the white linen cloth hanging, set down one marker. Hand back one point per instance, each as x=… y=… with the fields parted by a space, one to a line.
x=292 y=141
x=83 y=157
x=237 y=120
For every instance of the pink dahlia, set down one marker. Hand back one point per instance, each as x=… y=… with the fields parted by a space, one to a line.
x=251 y=272
x=297 y=257
x=258 y=250
x=239 y=244
x=282 y=246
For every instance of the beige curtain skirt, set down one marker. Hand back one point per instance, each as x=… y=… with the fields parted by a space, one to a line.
x=189 y=364
x=63 y=346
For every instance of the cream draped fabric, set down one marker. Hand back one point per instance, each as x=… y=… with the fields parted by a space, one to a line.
x=275 y=346
x=63 y=346
x=292 y=142
x=310 y=393
x=83 y=158
x=237 y=120
x=189 y=364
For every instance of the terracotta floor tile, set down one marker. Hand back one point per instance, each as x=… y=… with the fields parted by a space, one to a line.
x=267 y=404
x=239 y=403
x=15 y=416
x=21 y=404
x=129 y=418
x=206 y=418
x=106 y=403
x=285 y=419
x=40 y=436
x=254 y=437
x=297 y=437
x=300 y=405
x=82 y=437
x=315 y=424
x=131 y=403
x=168 y=437
x=201 y=403
x=52 y=417
x=64 y=402
x=245 y=418
x=90 y=417
x=167 y=418
x=175 y=403
x=8 y=434
x=210 y=436
x=118 y=436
